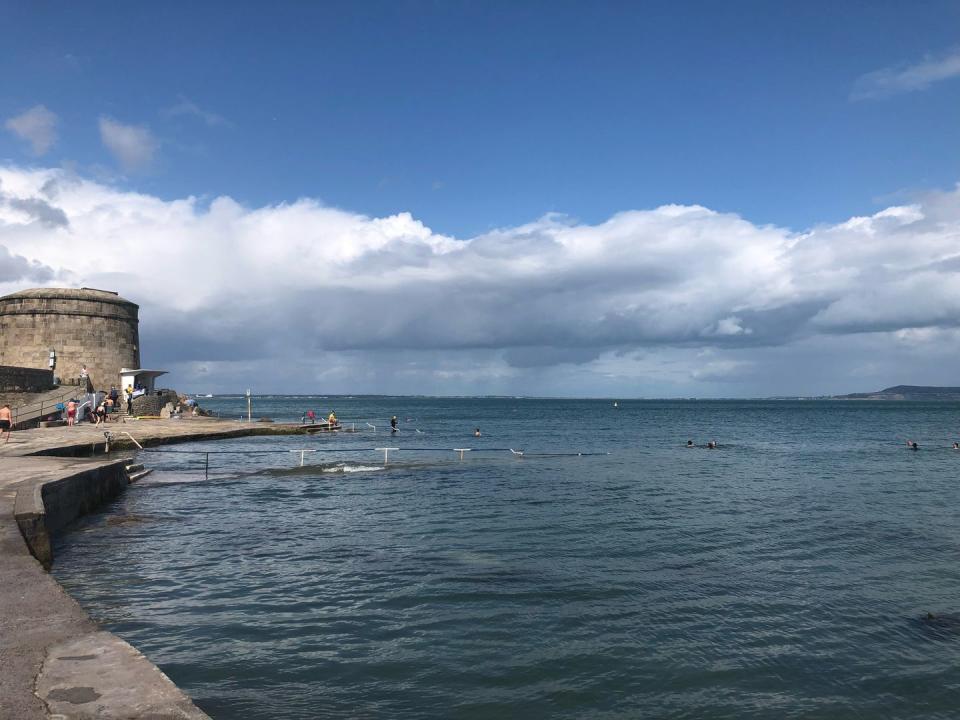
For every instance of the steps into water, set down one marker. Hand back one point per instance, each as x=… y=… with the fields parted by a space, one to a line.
x=136 y=471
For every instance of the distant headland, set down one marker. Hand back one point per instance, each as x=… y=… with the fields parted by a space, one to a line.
x=908 y=392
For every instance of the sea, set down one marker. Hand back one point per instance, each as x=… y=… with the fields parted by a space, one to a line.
x=576 y=560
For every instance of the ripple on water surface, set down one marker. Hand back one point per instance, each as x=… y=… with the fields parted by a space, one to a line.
x=787 y=575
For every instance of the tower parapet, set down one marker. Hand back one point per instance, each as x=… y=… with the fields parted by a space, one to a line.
x=96 y=328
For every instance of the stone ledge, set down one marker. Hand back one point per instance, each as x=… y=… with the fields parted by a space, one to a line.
x=46 y=506
x=54 y=661
x=99 y=676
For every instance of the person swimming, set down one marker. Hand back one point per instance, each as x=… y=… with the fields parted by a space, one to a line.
x=393 y=424
x=712 y=445
x=912 y=444
x=476 y=433
x=690 y=444
x=956 y=446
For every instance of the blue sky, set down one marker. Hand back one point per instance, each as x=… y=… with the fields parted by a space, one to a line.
x=628 y=199
x=481 y=115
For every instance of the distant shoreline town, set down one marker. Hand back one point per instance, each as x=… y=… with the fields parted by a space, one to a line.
x=908 y=392
x=929 y=393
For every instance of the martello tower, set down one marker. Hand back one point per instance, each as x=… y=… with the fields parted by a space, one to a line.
x=89 y=327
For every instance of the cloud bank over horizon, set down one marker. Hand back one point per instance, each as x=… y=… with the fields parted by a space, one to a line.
x=675 y=300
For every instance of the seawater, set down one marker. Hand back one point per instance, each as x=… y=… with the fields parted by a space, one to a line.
x=784 y=575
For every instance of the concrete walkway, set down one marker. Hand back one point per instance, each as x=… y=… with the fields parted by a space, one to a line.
x=54 y=660
x=79 y=439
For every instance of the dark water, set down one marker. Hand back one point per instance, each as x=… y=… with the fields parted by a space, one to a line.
x=784 y=575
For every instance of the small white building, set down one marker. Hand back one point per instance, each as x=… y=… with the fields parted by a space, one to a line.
x=145 y=379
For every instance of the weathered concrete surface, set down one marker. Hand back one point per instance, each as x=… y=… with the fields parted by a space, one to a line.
x=85 y=438
x=41 y=627
x=36 y=612
x=98 y=675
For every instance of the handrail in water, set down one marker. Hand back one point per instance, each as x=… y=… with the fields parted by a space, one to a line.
x=124 y=432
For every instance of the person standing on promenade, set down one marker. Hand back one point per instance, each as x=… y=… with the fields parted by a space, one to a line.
x=71 y=412
x=6 y=422
x=129 y=399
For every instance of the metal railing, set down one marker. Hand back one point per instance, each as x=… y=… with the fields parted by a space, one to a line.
x=47 y=406
x=385 y=450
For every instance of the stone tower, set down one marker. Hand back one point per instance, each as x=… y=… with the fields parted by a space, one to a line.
x=89 y=327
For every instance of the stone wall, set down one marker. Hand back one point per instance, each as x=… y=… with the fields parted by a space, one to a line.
x=24 y=379
x=153 y=403
x=44 y=509
x=95 y=328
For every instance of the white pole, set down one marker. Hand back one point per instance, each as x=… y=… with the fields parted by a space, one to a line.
x=249 y=408
x=386 y=453
x=302 y=452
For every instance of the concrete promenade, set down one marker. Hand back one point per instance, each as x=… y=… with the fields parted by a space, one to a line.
x=54 y=660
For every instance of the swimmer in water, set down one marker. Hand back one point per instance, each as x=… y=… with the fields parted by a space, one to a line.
x=912 y=444
x=712 y=445
x=690 y=444
x=476 y=433
x=393 y=424
x=956 y=446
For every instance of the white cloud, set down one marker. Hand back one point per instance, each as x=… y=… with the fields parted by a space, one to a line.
x=185 y=107
x=901 y=79
x=300 y=290
x=38 y=126
x=133 y=146
x=728 y=326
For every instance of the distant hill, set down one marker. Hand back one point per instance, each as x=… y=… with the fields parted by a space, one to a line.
x=908 y=392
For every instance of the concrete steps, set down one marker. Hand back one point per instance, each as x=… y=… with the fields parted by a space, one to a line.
x=136 y=471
